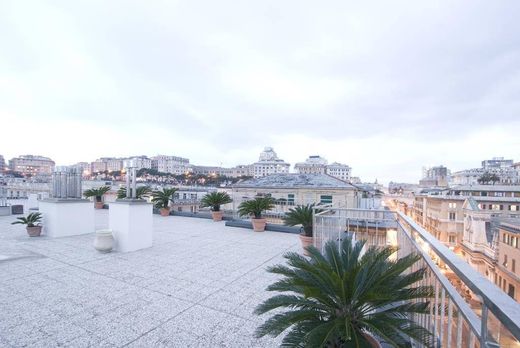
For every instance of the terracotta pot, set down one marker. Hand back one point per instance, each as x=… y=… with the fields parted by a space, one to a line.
x=372 y=341
x=164 y=211
x=34 y=231
x=104 y=241
x=306 y=241
x=217 y=215
x=98 y=205
x=259 y=224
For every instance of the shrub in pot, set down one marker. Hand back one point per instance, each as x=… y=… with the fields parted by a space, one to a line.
x=161 y=200
x=214 y=200
x=302 y=215
x=98 y=194
x=34 y=228
x=344 y=299
x=255 y=208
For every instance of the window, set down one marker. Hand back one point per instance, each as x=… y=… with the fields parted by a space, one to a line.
x=513 y=265
x=452 y=216
x=290 y=199
x=452 y=239
x=505 y=261
x=511 y=291
x=326 y=199
x=452 y=205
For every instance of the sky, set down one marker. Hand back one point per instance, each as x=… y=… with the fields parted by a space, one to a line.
x=386 y=87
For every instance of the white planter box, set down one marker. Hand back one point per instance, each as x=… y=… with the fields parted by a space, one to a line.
x=131 y=224
x=66 y=217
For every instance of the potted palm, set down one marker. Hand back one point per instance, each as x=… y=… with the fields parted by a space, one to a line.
x=98 y=194
x=34 y=228
x=302 y=215
x=344 y=299
x=141 y=192
x=255 y=208
x=214 y=200
x=161 y=200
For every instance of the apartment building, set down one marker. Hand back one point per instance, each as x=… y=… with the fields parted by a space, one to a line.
x=32 y=165
x=504 y=170
x=435 y=177
x=298 y=189
x=442 y=213
x=269 y=163
x=318 y=165
x=171 y=164
x=507 y=270
x=2 y=163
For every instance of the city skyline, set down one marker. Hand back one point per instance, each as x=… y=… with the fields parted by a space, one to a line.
x=349 y=82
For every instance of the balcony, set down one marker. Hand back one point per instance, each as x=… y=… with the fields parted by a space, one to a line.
x=468 y=310
x=196 y=287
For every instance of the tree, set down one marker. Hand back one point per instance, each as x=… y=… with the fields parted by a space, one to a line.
x=488 y=178
x=334 y=299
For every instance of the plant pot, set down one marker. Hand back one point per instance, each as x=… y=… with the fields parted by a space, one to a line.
x=98 y=205
x=372 y=340
x=306 y=241
x=216 y=215
x=259 y=224
x=104 y=241
x=34 y=231
x=164 y=211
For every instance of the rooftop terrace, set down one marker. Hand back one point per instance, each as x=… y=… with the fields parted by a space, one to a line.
x=197 y=286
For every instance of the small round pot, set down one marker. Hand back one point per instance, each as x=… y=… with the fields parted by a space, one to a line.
x=306 y=241
x=164 y=211
x=34 y=231
x=104 y=241
x=259 y=224
x=216 y=215
x=98 y=205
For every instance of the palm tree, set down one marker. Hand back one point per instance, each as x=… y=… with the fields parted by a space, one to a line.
x=340 y=298
x=255 y=208
x=161 y=199
x=140 y=192
x=302 y=215
x=214 y=200
x=98 y=194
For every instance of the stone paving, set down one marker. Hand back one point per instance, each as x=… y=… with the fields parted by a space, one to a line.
x=196 y=287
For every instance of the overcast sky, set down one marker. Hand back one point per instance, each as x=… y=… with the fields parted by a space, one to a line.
x=384 y=86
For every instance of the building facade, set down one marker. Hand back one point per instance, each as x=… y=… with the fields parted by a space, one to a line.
x=2 y=164
x=268 y=164
x=318 y=165
x=435 y=177
x=32 y=165
x=171 y=164
x=298 y=189
x=505 y=171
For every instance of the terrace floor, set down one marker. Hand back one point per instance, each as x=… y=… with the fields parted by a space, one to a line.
x=197 y=286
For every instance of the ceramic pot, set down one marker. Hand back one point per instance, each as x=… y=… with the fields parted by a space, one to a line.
x=98 y=205
x=164 y=211
x=306 y=241
x=259 y=224
x=216 y=215
x=104 y=241
x=34 y=231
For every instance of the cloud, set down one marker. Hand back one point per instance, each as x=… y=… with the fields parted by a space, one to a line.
x=386 y=87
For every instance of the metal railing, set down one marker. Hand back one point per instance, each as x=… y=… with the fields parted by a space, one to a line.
x=467 y=309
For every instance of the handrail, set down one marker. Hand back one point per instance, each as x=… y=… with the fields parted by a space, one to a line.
x=503 y=307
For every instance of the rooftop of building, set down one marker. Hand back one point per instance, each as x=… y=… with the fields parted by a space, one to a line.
x=197 y=286
x=505 y=188
x=292 y=180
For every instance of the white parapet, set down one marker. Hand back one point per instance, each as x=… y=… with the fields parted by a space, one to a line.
x=66 y=217
x=131 y=224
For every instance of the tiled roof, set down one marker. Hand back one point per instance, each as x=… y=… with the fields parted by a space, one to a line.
x=295 y=181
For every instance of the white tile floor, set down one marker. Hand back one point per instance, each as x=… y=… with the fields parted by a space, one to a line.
x=196 y=287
